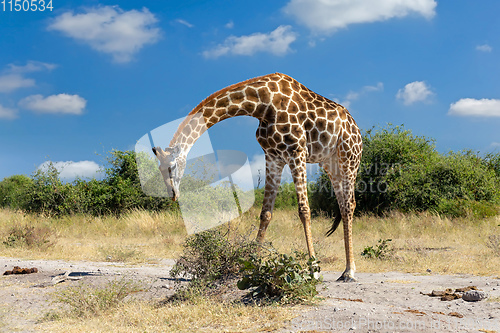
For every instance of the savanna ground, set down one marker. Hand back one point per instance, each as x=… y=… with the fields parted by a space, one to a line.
x=127 y=257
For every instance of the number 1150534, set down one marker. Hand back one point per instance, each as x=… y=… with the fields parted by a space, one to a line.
x=25 y=5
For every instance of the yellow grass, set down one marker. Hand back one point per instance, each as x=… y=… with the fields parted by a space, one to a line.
x=149 y=235
x=421 y=241
x=203 y=316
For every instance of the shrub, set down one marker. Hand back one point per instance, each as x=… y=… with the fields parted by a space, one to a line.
x=209 y=258
x=380 y=251
x=455 y=180
x=279 y=277
x=29 y=236
x=211 y=255
x=401 y=171
x=12 y=191
x=119 y=192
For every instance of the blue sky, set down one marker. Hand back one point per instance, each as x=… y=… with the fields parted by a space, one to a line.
x=92 y=76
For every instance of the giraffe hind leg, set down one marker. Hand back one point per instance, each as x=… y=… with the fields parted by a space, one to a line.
x=344 y=191
x=329 y=168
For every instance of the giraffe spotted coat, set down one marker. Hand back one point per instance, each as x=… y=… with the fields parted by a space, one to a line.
x=296 y=126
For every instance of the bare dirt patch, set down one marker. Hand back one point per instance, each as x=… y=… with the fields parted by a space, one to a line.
x=378 y=302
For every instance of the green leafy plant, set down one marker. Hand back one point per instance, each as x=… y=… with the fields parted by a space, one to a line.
x=380 y=251
x=209 y=257
x=280 y=277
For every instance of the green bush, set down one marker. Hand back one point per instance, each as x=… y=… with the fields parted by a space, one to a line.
x=211 y=255
x=120 y=191
x=401 y=171
x=279 y=278
x=12 y=191
x=209 y=258
x=456 y=184
x=380 y=251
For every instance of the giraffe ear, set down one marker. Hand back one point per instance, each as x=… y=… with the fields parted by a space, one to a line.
x=158 y=152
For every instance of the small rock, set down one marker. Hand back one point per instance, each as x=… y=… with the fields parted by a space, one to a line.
x=474 y=296
x=428 y=270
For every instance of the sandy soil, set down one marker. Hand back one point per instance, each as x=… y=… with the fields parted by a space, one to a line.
x=384 y=302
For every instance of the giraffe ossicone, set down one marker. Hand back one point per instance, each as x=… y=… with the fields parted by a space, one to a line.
x=296 y=126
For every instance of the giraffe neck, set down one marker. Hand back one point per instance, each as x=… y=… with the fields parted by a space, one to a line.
x=253 y=98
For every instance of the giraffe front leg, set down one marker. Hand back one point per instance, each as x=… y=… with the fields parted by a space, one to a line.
x=299 y=174
x=274 y=168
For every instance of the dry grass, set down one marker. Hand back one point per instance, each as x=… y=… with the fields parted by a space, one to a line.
x=420 y=241
x=136 y=237
x=203 y=316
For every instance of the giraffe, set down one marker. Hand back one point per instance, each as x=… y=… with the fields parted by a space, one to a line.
x=296 y=126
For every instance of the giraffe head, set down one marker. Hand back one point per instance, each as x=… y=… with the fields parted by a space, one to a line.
x=172 y=165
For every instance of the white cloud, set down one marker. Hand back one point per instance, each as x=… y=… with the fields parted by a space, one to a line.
x=6 y=113
x=331 y=15
x=354 y=95
x=13 y=77
x=11 y=82
x=484 y=48
x=475 y=107
x=70 y=170
x=230 y=24
x=276 y=42
x=62 y=103
x=110 y=30
x=414 y=92
x=31 y=66
x=184 y=22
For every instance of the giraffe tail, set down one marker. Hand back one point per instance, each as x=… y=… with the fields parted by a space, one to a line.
x=336 y=221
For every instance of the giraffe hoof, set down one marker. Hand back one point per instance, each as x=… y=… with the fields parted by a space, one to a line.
x=346 y=278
